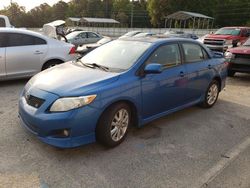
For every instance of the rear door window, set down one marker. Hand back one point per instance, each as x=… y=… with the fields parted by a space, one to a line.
x=194 y=53
x=18 y=39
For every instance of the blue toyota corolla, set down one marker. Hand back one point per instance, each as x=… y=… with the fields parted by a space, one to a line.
x=125 y=82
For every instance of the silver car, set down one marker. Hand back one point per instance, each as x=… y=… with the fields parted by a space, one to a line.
x=24 y=53
x=83 y=37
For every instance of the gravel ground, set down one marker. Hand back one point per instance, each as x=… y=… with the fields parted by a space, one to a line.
x=191 y=148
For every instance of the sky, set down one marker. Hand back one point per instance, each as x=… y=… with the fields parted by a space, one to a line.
x=28 y=4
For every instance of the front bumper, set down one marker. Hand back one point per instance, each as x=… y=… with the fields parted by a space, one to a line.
x=220 y=48
x=239 y=65
x=81 y=122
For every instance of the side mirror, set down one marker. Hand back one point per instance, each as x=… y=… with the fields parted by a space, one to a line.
x=153 y=68
x=218 y=55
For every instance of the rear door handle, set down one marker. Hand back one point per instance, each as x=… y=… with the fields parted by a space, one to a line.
x=181 y=74
x=38 y=52
x=209 y=66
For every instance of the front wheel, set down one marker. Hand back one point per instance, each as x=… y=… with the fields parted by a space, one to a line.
x=113 y=125
x=211 y=95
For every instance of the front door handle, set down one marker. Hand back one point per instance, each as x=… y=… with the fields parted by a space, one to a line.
x=209 y=66
x=181 y=74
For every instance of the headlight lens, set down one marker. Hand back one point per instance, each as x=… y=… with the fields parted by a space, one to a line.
x=229 y=55
x=228 y=42
x=70 y=103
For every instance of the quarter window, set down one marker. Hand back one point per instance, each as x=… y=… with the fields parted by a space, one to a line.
x=194 y=53
x=2 y=22
x=18 y=39
x=168 y=56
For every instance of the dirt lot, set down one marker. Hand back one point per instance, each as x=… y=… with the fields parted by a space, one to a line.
x=190 y=148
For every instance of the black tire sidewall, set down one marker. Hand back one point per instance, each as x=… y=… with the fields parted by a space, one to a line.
x=104 y=125
x=48 y=64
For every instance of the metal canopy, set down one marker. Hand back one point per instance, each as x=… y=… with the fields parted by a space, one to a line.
x=183 y=15
x=93 y=20
x=99 y=20
x=184 y=19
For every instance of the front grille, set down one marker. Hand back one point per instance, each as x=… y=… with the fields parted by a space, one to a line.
x=214 y=42
x=243 y=56
x=34 y=101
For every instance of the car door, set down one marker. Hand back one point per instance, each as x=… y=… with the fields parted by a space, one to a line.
x=92 y=37
x=199 y=69
x=24 y=54
x=2 y=55
x=166 y=90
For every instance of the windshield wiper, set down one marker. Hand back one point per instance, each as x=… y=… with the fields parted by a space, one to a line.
x=98 y=66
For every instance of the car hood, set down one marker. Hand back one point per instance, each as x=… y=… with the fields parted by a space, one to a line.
x=240 y=50
x=69 y=79
x=214 y=36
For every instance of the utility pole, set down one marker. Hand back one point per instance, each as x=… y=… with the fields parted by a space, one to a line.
x=132 y=14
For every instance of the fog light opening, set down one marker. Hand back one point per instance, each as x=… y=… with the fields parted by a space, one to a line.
x=62 y=133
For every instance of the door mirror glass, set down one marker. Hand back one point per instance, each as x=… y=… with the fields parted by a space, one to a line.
x=218 y=54
x=153 y=68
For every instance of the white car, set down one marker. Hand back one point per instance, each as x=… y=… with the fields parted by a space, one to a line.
x=83 y=37
x=24 y=53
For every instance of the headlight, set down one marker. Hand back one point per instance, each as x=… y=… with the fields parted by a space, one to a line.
x=228 y=42
x=229 y=55
x=69 y=103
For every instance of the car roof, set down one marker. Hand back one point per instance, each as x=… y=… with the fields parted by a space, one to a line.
x=23 y=31
x=236 y=27
x=155 y=40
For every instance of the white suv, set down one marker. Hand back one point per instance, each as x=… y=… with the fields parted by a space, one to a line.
x=24 y=53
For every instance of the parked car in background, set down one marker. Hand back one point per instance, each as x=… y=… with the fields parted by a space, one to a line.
x=83 y=37
x=130 y=34
x=141 y=35
x=227 y=37
x=125 y=82
x=4 y=21
x=24 y=53
x=181 y=34
x=83 y=50
x=238 y=59
x=73 y=30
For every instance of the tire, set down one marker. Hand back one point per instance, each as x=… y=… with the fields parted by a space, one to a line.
x=211 y=95
x=50 y=64
x=107 y=124
x=230 y=73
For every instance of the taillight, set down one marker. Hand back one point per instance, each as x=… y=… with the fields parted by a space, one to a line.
x=72 y=50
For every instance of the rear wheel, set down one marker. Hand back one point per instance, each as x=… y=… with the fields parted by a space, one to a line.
x=230 y=73
x=50 y=64
x=212 y=94
x=113 y=125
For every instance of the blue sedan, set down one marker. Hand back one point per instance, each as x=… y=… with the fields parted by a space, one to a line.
x=122 y=83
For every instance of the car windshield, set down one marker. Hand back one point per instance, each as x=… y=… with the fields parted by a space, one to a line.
x=247 y=43
x=131 y=33
x=104 y=40
x=228 y=31
x=117 y=55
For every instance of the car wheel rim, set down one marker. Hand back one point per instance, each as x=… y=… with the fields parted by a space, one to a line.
x=212 y=94
x=119 y=125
